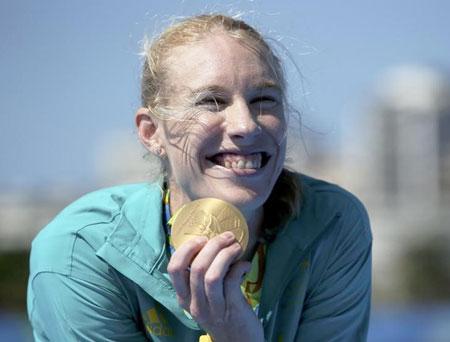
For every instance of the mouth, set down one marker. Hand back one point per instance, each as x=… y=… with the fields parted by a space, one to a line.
x=238 y=161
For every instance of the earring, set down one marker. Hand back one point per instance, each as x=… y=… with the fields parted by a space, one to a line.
x=160 y=152
x=157 y=150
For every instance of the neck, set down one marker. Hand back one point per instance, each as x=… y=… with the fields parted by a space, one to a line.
x=254 y=223
x=177 y=197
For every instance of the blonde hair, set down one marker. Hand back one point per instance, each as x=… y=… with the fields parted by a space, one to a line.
x=191 y=30
x=284 y=201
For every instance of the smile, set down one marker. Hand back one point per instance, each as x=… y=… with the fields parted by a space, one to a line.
x=251 y=161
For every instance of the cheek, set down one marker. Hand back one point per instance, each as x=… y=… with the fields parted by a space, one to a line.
x=191 y=122
x=275 y=127
x=190 y=135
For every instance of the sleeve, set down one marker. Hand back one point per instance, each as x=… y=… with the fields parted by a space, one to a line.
x=70 y=309
x=337 y=305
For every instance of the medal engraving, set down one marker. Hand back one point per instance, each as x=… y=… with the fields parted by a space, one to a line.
x=208 y=217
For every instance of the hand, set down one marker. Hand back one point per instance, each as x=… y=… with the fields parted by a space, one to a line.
x=207 y=277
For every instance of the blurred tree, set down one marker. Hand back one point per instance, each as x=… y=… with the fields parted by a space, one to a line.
x=13 y=280
x=426 y=270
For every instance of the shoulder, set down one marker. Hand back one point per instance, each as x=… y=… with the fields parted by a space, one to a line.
x=326 y=197
x=327 y=200
x=92 y=216
x=98 y=207
x=328 y=211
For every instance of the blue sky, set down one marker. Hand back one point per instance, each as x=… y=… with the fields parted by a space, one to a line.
x=69 y=70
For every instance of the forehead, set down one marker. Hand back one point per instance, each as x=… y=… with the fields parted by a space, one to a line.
x=218 y=59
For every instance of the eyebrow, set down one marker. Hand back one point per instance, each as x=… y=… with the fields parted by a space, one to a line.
x=266 y=84
x=208 y=89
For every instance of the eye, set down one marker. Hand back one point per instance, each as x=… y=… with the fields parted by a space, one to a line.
x=213 y=103
x=265 y=101
x=268 y=99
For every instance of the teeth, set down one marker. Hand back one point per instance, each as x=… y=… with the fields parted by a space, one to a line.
x=240 y=162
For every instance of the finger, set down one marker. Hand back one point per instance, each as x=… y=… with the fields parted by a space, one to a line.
x=232 y=283
x=178 y=268
x=214 y=278
x=199 y=305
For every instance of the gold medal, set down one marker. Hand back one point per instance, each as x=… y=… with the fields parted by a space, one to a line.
x=208 y=217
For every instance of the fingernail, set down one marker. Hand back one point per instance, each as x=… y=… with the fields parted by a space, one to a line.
x=228 y=235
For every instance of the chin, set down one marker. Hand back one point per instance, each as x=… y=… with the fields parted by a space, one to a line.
x=244 y=199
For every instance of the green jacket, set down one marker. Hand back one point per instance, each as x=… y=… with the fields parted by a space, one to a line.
x=98 y=271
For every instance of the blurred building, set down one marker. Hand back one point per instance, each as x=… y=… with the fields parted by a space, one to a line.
x=400 y=168
x=409 y=138
x=118 y=159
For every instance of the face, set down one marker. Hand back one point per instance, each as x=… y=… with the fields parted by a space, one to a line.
x=225 y=136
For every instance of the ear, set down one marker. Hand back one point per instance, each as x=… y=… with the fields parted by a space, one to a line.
x=149 y=132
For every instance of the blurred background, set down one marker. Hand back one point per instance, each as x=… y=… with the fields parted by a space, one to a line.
x=372 y=83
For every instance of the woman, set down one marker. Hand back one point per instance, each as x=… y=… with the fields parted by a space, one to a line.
x=213 y=96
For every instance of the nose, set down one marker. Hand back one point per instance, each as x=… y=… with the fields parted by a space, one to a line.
x=241 y=123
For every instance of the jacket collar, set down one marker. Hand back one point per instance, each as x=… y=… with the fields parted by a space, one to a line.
x=136 y=248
